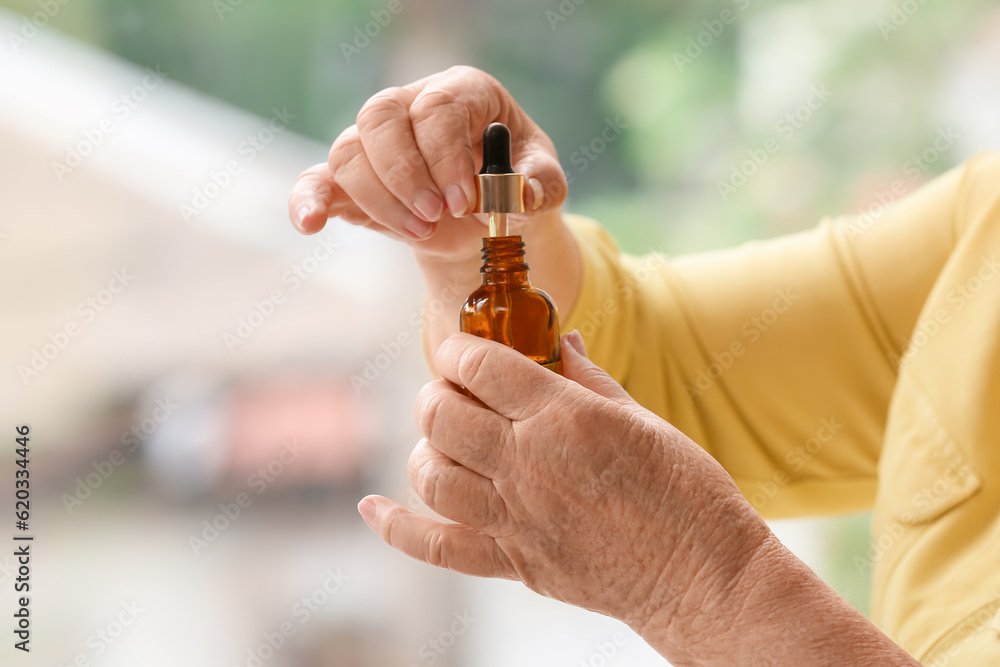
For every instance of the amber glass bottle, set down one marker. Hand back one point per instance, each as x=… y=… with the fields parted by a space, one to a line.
x=507 y=308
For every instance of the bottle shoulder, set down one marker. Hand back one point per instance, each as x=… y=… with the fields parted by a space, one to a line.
x=517 y=294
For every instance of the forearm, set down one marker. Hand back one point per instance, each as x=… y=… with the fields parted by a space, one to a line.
x=778 y=612
x=551 y=252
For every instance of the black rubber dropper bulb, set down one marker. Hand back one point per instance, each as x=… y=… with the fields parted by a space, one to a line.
x=496 y=150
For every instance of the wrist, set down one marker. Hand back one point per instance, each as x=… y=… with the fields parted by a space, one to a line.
x=696 y=615
x=773 y=610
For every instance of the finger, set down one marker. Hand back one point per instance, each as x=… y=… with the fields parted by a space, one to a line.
x=454 y=491
x=577 y=366
x=367 y=223
x=461 y=428
x=387 y=137
x=545 y=182
x=454 y=546
x=467 y=97
x=354 y=174
x=315 y=198
x=443 y=132
x=505 y=380
x=313 y=194
x=464 y=97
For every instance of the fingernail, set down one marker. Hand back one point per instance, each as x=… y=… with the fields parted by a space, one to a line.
x=429 y=205
x=471 y=196
x=419 y=228
x=575 y=340
x=458 y=204
x=302 y=213
x=539 y=191
x=367 y=509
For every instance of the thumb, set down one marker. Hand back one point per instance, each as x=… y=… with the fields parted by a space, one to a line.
x=577 y=366
x=545 y=182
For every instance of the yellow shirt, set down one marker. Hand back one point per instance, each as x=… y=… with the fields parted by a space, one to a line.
x=854 y=366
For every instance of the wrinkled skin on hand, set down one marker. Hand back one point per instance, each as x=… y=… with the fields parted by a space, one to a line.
x=406 y=168
x=567 y=484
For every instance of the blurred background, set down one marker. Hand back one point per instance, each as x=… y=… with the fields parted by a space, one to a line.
x=210 y=393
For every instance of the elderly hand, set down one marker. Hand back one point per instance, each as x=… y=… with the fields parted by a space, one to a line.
x=407 y=170
x=407 y=167
x=568 y=485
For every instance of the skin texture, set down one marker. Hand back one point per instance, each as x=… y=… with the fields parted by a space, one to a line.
x=405 y=148
x=562 y=482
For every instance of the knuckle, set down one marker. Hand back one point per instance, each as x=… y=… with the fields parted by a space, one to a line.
x=422 y=476
x=345 y=148
x=468 y=73
x=436 y=550
x=430 y=100
x=414 y=463
x=381 y=107
x=463 y=70
x=308 y=178
x=428 y=407
x=471 y=363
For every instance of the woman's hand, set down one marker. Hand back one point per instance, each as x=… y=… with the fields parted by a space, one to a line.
x=567 y=484
x=407 y=168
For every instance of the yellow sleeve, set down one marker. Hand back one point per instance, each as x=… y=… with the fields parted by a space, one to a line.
x=778 y=357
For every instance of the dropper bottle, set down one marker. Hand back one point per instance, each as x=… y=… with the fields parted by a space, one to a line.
x=507 y=308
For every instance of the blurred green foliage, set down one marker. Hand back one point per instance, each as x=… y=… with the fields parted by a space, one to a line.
x=695 y=89
x=574 y=65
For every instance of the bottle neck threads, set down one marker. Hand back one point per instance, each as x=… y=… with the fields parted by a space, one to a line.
x=503 y=260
